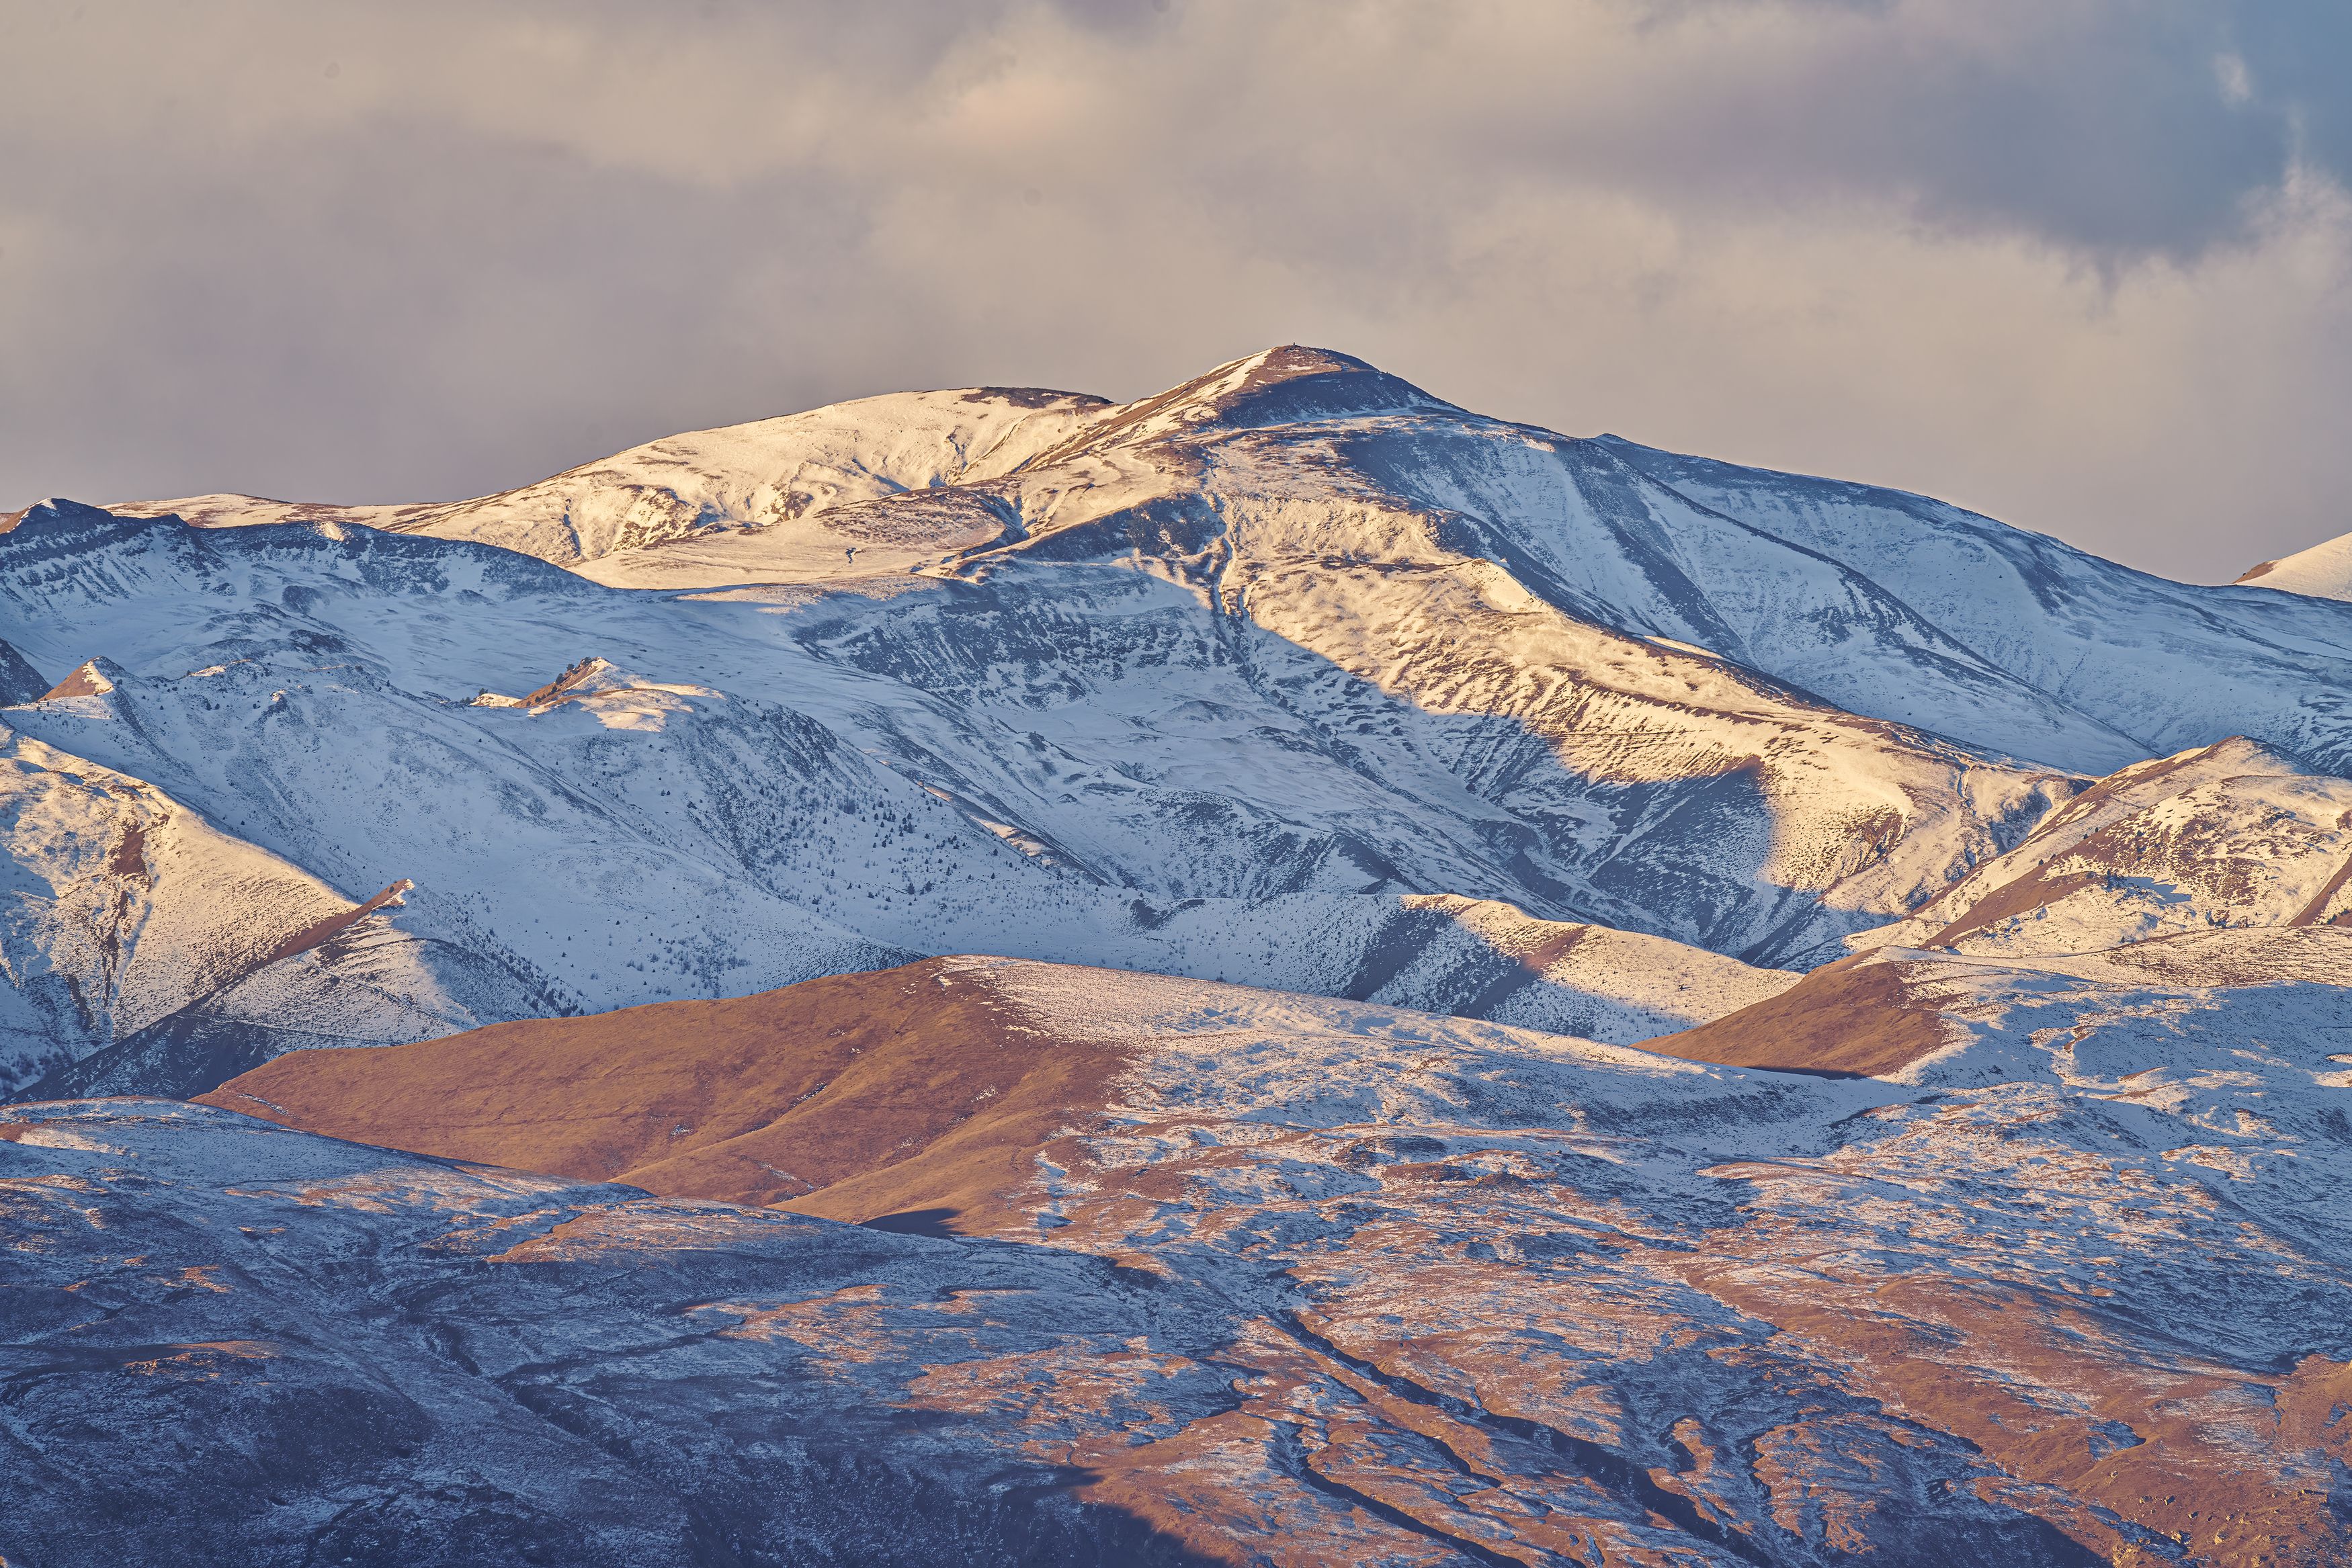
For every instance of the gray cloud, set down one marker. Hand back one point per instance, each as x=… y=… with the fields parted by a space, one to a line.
x=2080 y=264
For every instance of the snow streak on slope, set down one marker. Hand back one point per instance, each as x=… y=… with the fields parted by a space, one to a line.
x=1301 y=1281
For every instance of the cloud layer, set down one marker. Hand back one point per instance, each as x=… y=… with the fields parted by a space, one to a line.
x=2086 y=267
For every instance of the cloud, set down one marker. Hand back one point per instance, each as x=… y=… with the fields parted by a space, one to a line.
x=2080 y=264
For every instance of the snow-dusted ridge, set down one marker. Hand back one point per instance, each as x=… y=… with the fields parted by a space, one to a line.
x=1245 y=681
x=778 y=476
x=2321 y=571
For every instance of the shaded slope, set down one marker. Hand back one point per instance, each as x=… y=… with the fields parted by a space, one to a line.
x=285 y=1350
x=2170 y=666
x=19 y=681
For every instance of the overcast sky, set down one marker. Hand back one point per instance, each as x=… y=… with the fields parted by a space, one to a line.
x=2085 y=265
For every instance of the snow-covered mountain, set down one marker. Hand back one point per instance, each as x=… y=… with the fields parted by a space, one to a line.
x=1293 y=675
x=1891 y=606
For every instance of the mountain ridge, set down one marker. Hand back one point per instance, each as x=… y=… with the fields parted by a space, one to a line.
x=1293 y=631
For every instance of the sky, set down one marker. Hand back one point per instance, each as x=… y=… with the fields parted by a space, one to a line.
x=2083 y=265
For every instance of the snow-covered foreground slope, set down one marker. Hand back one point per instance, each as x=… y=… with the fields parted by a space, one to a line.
x=1272 y=1279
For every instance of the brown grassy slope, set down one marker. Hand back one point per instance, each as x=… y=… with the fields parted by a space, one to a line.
x=854 y=1096
x=1856 y=1016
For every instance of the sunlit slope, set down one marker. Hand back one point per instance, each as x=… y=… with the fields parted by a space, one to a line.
x=2323 y=571
x=2224 y=837
x=775 y=481
x=134 y=930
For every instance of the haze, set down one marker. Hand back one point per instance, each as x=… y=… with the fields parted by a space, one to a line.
x=2081 y=266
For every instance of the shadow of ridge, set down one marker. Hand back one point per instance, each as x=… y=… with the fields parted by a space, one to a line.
x=933 y=1222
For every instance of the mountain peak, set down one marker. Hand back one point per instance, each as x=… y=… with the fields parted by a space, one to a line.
x=55 y=510
x=1288 y=384
x=1293 y=382
x=91 y=678
x=1286 y=362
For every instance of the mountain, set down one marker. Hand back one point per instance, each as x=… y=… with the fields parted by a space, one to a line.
x=1293 y=675
x=1889 y=605
x=1543 y=1000
x=1165 y=1271
x=2323 y=571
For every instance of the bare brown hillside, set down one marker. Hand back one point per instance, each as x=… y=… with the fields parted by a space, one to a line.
x=918 y=1088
